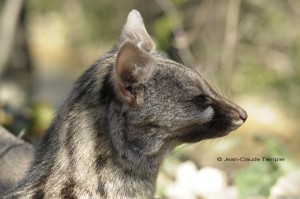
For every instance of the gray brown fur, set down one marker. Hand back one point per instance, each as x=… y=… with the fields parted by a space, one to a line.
x=124 y=114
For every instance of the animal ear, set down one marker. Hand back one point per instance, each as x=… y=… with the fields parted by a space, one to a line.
x=132 y=69
x=135 y=31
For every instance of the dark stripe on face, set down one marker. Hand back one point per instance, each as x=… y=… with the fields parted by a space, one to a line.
x=39 y=194
x=40 y=185
x=102 y=156
x=101 y=161
x=101 y=189
x=84 y=83
x=68 y=191
x=106 y=92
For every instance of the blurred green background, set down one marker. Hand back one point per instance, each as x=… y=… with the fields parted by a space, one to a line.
x=249 y=51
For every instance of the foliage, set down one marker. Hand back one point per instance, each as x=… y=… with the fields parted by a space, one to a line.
x=257 y=178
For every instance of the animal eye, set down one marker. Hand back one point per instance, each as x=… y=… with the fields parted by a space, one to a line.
x=202 y=100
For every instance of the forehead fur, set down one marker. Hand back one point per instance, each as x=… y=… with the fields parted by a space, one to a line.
x=184 y=74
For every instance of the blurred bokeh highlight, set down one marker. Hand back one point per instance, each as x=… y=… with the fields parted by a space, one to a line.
x=249 y=51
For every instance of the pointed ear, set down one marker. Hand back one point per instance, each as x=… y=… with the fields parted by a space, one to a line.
x=135 y=31
x=132 y=69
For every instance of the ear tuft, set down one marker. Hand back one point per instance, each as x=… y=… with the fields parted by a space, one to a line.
x=135 y=31
x=133 y=68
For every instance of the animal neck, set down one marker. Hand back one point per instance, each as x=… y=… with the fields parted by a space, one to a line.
x=84 y=155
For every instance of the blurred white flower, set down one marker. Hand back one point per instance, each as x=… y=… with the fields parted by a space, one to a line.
x=287 y=186
x=207 y=183
x=12 y=94
x=182 y=188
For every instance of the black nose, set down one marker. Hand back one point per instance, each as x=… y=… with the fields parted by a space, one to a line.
x=243 y=114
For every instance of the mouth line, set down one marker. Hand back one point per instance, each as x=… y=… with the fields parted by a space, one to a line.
x=212 y=131
x=235 y=124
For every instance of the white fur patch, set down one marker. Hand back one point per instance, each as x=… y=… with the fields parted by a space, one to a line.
x=140 y=44
x=208 y=114
x=237 y=122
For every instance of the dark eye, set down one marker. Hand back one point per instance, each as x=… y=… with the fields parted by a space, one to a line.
x=202 y=100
